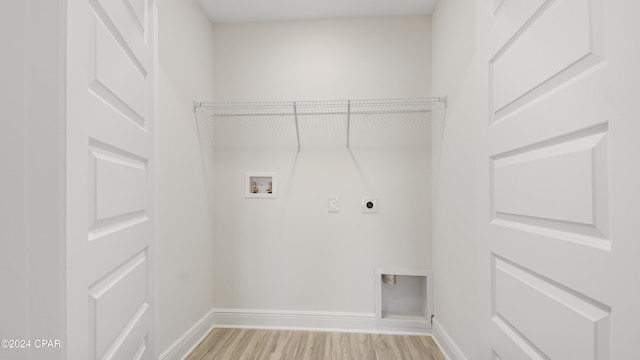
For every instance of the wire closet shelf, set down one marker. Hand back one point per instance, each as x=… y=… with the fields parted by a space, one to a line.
x=343 y=108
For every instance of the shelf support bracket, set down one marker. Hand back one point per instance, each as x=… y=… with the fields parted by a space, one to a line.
x=348 y=123
x=295 y=115
x=196 y=105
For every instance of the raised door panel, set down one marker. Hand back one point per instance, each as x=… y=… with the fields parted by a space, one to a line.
x=117 y=304
x=119 y=186
x=530 y=305
x=562 y=185
x=118 y=62
x=551 y=45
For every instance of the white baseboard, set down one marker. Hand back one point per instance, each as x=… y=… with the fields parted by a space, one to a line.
x=312 y=321
x=190 y=339
x=286 y=320
x=445 y=342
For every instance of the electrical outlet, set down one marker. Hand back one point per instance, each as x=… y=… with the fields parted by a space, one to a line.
x=334 y=204
x=369 y=205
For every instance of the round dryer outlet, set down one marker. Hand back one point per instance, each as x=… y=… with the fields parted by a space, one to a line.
x=369 y=205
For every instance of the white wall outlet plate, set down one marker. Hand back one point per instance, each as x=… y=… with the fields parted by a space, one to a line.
x=369 y=205
x=334 y=204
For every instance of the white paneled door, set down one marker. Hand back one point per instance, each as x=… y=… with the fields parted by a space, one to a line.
x=559 y=180
x=109 y=177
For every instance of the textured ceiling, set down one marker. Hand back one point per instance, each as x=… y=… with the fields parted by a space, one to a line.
x=224 y=11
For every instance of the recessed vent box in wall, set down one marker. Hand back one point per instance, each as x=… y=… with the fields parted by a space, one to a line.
x=404 y=298
x=260 y=185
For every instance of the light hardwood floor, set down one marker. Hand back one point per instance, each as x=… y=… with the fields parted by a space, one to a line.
x=234 y=344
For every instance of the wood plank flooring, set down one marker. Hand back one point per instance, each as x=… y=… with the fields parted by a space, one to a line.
x=234 y=344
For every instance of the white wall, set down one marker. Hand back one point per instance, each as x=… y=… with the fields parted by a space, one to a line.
x=32 y=154
x=184 y=240
x=322 y=60
x=454 y=234
x=289 y=253
x=13 y=257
